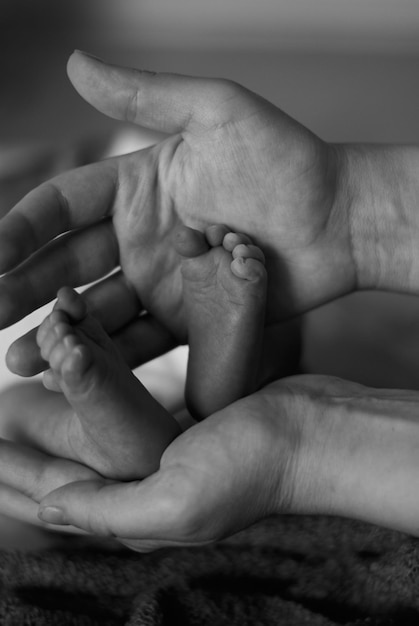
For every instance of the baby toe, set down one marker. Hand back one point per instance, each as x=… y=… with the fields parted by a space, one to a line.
x=231 y=240
x=51 y=381
x=215 y=234
x=72 y=303
x=248 y=251
x=48 y=325
x=50 y=340
x=189 y=242
x=75 y=364
x=43 y=330
x=61 y=330
x=248 y=269
x=58 y=354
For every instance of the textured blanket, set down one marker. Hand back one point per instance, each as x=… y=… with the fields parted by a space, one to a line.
x=285 y=571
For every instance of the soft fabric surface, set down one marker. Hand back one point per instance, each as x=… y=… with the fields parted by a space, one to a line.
x=285 y=571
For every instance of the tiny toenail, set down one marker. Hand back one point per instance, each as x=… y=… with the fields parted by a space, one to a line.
x=78 y=352
x=69 y=341
x=60 y=330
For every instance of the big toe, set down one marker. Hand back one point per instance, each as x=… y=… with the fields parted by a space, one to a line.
x=249 y=269
x=248 y=251
x=76 y=370
x=189 y=242
x=248 y=262
x=232 y=240
x=72 y=303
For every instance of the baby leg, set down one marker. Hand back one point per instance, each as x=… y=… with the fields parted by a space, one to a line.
x=116 y=426
x=224 y=288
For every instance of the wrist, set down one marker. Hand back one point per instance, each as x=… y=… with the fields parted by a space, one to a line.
x=357 y=451
x=380 y=187
x=314 y=469
x=305 y=468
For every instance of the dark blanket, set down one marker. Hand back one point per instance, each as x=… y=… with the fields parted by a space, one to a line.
x=285 y=571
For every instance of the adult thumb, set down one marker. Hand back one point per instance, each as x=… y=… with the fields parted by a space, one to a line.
x=164 y=102
x=157 y=508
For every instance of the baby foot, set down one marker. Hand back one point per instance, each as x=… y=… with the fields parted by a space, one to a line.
x=224 y=294
x=116 y=426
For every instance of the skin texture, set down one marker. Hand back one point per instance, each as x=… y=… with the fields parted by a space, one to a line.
x=306 y=444
x=224 y=292
x=329 y=219
x=230 y=158
x=108 y=407
x=111 y=423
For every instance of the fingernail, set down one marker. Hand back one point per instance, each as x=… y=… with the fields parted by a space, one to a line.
x=52 y=515
x=88 y=54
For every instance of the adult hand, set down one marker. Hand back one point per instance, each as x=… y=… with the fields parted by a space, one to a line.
x=306 y=444
x=230 y=157
x=29 y=470
x=220 y=474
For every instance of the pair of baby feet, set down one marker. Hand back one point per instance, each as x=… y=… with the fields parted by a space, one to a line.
x=116 y=426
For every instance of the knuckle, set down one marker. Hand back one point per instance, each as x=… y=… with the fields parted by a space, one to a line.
x=39 y=485
x=219 y=101
x=61 y=202
x=135 y=95
x=228 y=93
x=133 y=105
x=226 y=88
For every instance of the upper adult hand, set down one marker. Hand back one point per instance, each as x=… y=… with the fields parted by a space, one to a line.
x=230 y=157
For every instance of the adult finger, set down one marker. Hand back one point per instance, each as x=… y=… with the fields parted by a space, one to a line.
x=34 y=473
x=140 y=338
x=143 y=340
x=115 y=303
x=139 y=341
x=73 y=259
x=148 y=514
x=167 y=506
x=112 y=301
x=188 y=501
x=174 y=507
x=26 y=475
x=71 y=200
x=165 y=102
x=19 y=507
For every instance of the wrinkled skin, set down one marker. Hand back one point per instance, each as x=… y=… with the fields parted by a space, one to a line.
x=230 y=157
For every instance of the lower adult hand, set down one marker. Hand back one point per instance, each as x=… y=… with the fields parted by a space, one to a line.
x=215 y=478
x=306 y=444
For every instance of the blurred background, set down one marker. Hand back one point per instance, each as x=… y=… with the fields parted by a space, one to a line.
x=347 y=70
